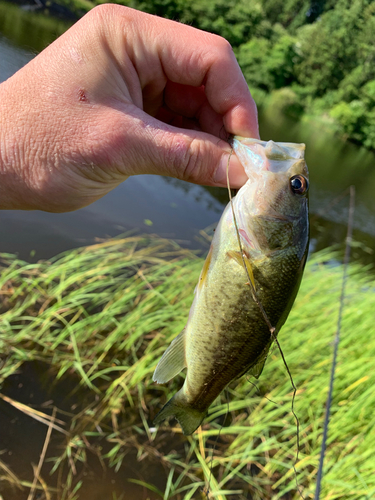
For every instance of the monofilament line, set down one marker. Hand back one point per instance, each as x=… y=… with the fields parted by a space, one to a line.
x=272 y=329
x=349 y=238
x=207 y=491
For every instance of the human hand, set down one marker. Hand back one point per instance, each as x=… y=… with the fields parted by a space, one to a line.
x=121 y=93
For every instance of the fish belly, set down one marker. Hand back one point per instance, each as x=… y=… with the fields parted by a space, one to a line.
x=225 y=335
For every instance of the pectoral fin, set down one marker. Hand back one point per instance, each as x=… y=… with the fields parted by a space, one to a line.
x=172 y=361
x=238 y=258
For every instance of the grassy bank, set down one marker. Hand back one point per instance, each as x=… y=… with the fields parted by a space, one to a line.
x=104 y=314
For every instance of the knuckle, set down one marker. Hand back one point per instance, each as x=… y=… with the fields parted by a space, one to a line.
x=215 y=47
x=191 y=164
x=102 y=13
x=221 y=44
x=182 y=157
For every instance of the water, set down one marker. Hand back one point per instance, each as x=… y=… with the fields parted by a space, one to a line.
x=22 y=438
x=174 y=209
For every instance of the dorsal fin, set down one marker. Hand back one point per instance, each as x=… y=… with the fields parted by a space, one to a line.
x=204 y=272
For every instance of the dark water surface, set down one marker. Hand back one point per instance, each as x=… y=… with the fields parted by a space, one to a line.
x=170 y=208
x=22 y=438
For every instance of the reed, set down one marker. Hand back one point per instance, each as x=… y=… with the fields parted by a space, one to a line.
x=105 y=314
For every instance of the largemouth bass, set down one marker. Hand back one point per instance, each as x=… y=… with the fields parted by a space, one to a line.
x=226 y=334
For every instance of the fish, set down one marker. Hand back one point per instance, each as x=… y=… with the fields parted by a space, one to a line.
x=226 y=334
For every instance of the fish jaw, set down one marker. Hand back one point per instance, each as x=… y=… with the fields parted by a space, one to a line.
x=256 y=155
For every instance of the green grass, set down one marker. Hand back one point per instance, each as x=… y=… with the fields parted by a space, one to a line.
x=105 y=314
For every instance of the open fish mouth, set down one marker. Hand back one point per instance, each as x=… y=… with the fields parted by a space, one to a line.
x=258 y=156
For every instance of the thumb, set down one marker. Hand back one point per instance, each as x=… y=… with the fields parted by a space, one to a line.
x=154 y=147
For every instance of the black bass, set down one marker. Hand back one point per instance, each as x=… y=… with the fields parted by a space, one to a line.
x=226 y=334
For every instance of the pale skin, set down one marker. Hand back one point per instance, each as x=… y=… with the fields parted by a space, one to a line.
x=121 y=93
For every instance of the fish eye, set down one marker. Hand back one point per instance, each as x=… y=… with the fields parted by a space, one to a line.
x=299 y=184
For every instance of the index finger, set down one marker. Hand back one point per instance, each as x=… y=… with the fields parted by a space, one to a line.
x=163 y=49
x=206 y=59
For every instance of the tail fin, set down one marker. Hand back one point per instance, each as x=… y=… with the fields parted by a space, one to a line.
x=189 y=418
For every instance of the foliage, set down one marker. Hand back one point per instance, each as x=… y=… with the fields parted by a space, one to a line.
x=268 y=65
x=104 y=314
x=322 y=48
x=235 y=20
x=286 y=100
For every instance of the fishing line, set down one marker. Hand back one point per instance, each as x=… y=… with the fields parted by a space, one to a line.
x=331 y=204
x=349 y=237
x=268 y=323
x=258 y=391
x=207 y=492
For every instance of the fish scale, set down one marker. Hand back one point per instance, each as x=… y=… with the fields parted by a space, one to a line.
x=226 y=334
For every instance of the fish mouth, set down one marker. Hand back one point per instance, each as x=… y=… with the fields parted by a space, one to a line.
x=258 y=156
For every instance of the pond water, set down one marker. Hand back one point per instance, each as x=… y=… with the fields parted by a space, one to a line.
x=167 y=207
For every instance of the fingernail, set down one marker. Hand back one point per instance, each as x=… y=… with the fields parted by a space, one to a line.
x=237 y=175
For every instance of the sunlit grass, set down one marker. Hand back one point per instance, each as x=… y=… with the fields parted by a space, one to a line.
x=105 y=314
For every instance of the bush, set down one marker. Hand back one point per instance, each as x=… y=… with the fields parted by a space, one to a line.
x=285 y=100
x=351 y=117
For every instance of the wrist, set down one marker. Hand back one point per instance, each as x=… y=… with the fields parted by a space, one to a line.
x=15 y=186
x=7 y=176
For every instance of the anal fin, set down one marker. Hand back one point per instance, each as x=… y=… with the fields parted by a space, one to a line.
x=189 y=418
x=257 y=369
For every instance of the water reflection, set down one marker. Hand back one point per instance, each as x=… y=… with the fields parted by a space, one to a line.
x=12 y=58
x=99 y=483
x=30 y=31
